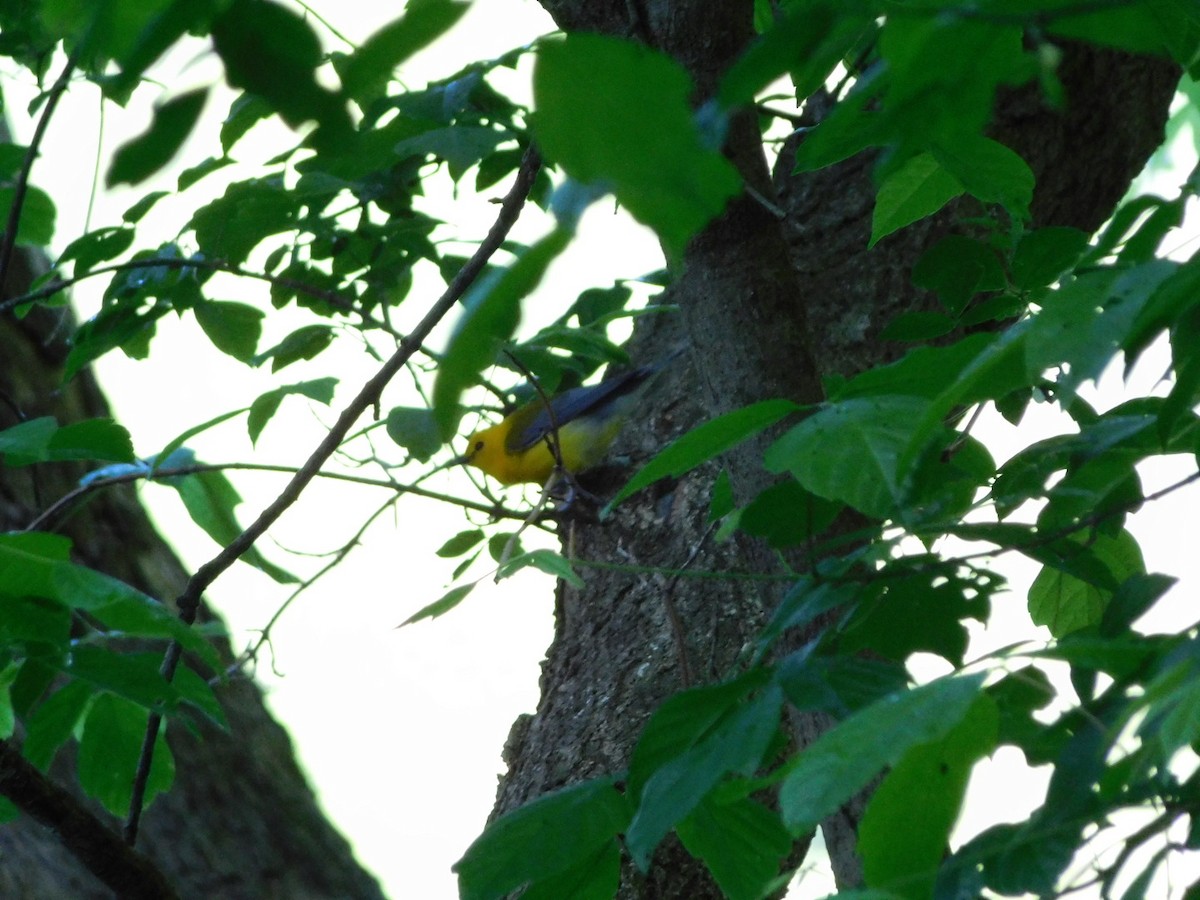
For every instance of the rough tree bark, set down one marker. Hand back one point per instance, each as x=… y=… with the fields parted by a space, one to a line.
x=241 y=821
x=769 y=306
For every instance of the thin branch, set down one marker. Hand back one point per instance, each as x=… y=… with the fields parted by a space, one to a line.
x=69 y=499
x=21 y=187
x=1096 y=518
x=189 y=601
x=251 y=653
x=127 y=872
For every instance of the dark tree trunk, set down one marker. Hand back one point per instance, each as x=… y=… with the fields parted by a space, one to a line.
x=768 y=307
x=240 y=821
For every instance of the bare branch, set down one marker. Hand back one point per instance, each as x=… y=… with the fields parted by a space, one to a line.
x=189 y=601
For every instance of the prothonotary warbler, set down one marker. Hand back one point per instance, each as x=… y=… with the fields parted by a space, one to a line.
x=587 y=420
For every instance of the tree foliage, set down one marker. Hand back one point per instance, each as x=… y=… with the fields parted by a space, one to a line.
x=330 y=236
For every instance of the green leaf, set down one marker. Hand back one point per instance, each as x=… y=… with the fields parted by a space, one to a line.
x=169 y=455
x=303 y=343
x=1143 y=245
x=1100 y=490
x=109 y=750
x=1017 y=697
x=1173 y=707
x=133 y=35
x=956 y=268
x=722 y=502
x=8 y=715
x=442 y=605
x=38 y=564
x=705 y=441
x=34 y=620
x=1160 y=27
x=850 y=452
x=736 y=743
x=910 y=613
x=917 y=189
x=96 y=247
x=595 y=878
x=923 y=372
x=545 y=561
x=36 y=677
x=651 y=153
x=1065 y=602
x=263 y=409
x=1172 y=302
x=1120 y=657
x=461 y=543
x=838 y=684
x=414 y=429
x=54 y=721
x=1086 y=322
x=843 y=760
x=271 y=51
x=368 y=69
x=135 y=213
x=808 y=37
x=234 y=328
x=244 y=113
x=1044 y=254
x=231 y=226
x=904 y=833
x=542 y=839
x=27 y=442
x=491 y=312
x=741 y=842
x=990 y=172
x=502 y=544
x=195 y=173
x=598 y=305
x=682 y=721
x=41 y=440
x=139 y=158
x=210 y=499
x=1133 y=598
x=806 y=600
x=918 y=325
x=462 y=146
x=194 y=690
x=932 y=83
x=1023 y=858
x=91 y=439
x=35 y=228
x=786 y=515
x=134 y=676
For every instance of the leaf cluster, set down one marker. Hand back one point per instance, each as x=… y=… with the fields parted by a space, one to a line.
x=336 y=228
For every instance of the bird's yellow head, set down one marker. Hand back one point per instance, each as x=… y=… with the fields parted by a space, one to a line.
x=486 y=451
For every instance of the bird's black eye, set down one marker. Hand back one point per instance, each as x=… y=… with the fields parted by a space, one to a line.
x=478 y=446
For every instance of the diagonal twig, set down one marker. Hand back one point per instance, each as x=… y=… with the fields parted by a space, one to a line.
x=21 y=187
x=188 y=602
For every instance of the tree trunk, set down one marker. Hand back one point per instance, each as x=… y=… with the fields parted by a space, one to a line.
x=768 y=307
x=240 y=821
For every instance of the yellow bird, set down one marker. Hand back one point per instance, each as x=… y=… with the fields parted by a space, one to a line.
x=584 y=423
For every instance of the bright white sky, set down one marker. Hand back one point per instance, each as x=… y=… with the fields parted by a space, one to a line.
x=401 y=730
